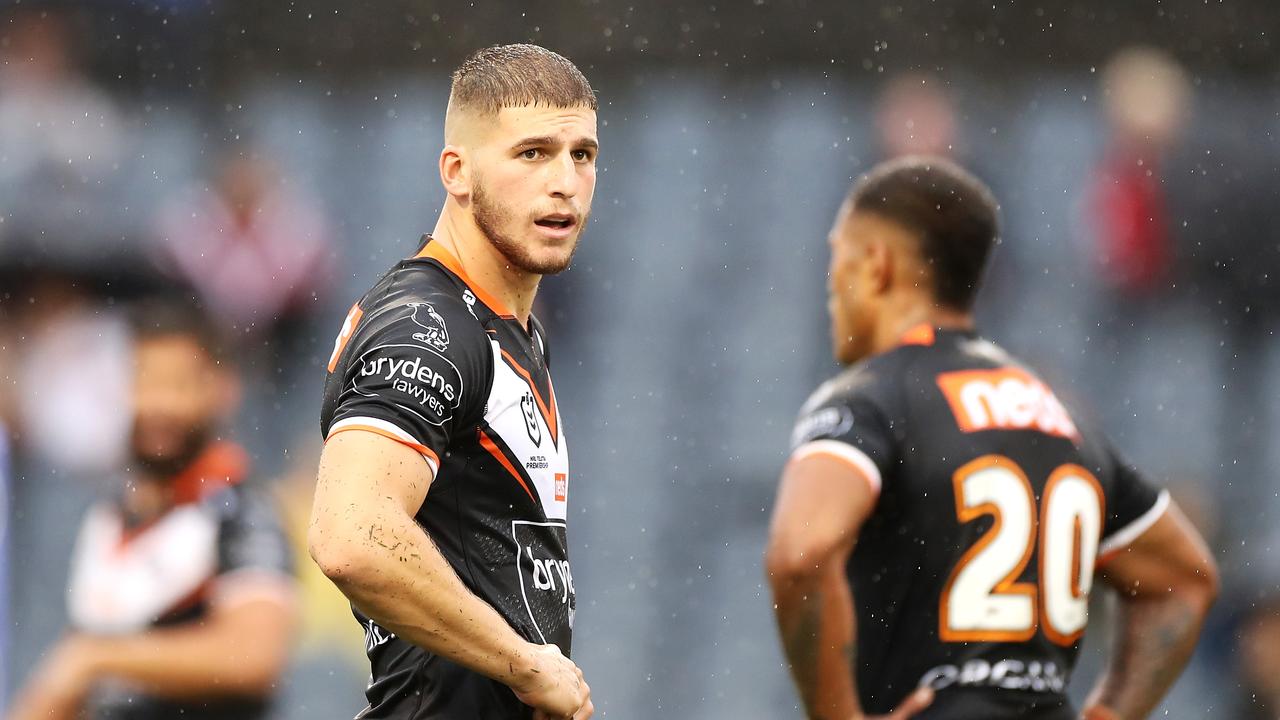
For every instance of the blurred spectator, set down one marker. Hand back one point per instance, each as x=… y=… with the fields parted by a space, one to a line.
x=70 y=378
x=180 y=595
x=1130 y=250
x=256 y=252
x=52 y=119
x=259 y=255
x=62 y=139
x=915 y=116
x=1146 y=94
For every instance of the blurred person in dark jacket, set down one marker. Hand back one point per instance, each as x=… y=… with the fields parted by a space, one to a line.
x=181 y=596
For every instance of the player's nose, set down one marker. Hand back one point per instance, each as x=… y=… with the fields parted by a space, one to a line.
x=562 y=177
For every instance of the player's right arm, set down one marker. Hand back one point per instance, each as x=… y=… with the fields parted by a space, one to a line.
x=408 y=385
x=829 y=488
x=363 y=536
x=1166 y=581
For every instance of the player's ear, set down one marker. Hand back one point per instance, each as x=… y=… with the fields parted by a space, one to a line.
x=879 y=264
x=455 y=171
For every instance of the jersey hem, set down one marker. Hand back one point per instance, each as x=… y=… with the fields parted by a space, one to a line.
x=388 y=430
x=1127 y=535
x=844 y=452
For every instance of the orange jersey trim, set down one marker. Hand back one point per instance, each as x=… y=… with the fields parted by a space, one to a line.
x=423 y=449
x=221 y=464
x=344 y=336
x=922 y=334
x=487 y=443
x=435 y=251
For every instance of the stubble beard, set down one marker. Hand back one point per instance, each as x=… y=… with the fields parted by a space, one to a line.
x=190 y=445
x=491 y=217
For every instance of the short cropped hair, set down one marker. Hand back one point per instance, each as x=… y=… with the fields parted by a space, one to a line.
x=518 y=75
x=953 y=215
x=164 y=317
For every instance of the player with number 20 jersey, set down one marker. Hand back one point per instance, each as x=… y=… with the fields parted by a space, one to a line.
x=999 y=502
x=943 y=513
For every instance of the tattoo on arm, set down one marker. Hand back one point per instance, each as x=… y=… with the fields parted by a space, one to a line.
x=817 y=634
x=1154 y=641
x=802 y=645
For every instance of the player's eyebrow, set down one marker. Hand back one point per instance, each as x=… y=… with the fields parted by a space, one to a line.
x=588 y=143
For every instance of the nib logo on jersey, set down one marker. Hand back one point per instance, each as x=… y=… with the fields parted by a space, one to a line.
x=403 y=374
x=546 y=582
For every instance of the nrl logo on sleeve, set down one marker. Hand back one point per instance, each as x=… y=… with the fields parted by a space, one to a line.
x=426 y=317
x=826 y=422
x=470 y=299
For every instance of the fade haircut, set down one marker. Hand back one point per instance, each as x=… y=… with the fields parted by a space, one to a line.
x=518 y=75
x=167 y=316
x=953 y=215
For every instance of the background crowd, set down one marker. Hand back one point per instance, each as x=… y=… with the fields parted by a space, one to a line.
x=273 y=161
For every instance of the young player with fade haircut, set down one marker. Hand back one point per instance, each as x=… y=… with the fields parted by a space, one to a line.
x=943 y=515
x=441 y=505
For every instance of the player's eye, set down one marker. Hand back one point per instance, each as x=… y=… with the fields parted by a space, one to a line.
x=531 y=154
x=581 y=156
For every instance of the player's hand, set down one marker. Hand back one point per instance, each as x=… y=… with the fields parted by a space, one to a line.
x=58 y=687
x=556 y=689
x=913 y=705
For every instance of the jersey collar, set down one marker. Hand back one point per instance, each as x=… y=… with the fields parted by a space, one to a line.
x=221 y=465
x=435 y=251
x=922 y=334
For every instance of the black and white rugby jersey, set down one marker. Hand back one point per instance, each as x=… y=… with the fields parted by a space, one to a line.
x=429 y=359
x=220 y=543
x=995 y=505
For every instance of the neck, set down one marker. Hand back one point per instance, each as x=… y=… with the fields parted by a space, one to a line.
x=889 y=334
x=457 y=232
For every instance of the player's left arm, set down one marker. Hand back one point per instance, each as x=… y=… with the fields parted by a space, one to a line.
x=1166 y=581
x=239 y=648
x=822 y=503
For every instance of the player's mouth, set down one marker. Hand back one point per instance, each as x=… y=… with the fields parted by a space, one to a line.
x=558 y=225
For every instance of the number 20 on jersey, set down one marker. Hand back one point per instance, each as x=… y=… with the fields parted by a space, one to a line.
x=983 y=600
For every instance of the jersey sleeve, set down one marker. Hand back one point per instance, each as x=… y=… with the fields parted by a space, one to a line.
x=1133 y=505
x=254 y=555
x=419 y=378
x=848 y=426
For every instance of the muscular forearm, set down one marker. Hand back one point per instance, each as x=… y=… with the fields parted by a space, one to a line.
x=395 y=574
x=1155 y=638
x=241 y=653
x=815 y=618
